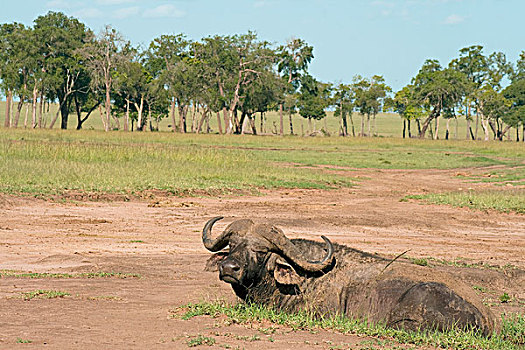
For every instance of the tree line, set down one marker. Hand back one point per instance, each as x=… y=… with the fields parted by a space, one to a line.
x=235 y=78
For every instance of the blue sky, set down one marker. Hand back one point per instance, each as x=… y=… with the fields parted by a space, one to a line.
x=387 y=37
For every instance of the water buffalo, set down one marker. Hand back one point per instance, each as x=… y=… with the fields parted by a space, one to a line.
x=264 y=266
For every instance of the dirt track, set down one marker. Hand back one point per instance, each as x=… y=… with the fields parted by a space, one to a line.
x=159 y=239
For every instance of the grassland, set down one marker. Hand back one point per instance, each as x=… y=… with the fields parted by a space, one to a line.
x=54 y=161
x=511 y=336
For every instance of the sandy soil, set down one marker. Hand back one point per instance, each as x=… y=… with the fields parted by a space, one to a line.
x=159 y=238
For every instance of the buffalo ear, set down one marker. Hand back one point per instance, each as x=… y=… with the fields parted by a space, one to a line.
x=284 y=273
x=212 y=264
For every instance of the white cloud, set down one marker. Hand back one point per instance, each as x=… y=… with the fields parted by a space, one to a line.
x=454 y=19
x=114 y=2
x=126 y=12
x=88 y=13
x=259 y=3
x=59 y=4
x=167 y=10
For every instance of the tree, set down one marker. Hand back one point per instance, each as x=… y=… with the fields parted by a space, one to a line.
x=344 y=104
x=438 y=89
x=102 y=57
x=294 y=58
x=313 y=99
x=515 y=92
x=370 y=95
x=59 y=38
x=406 y=105
x=17 y=67
x=167 y=59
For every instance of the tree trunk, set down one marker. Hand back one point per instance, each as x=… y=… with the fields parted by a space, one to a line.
x=252 y=124
x=64 y=112
x=436 y=129
x=140 y=109
x=226 y=117
x=404 y=126
x=262 y=122
x=345 y=124
x=8 y=99
x=409 y=129
x=374 y=125
x=172 y=112
x=126 y=119
x=219 y=123
x=242 y=122
x=352 y=124
x=26 y=116
x=236 y=123
x=476 y=127
x=18 y=110
x=368 y=124
x=80 y=120
x=193 y=120
x=102 y=116
x=434 y=114
x=108 y=105
x=183 y=110
x=33 y=110
x=40 y=110
x=280 y=120
x=204 y=117
x=362 y=125
x=448 y=129
x=291 y=123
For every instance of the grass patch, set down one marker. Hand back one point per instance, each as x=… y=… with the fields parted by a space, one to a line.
x=52 y=162
x=23 y=341
x=511 y=336
x=503 y=177
x=200 y=340
x=44 y=294
x=100 y=274
x=504 y=200
x=460 y=262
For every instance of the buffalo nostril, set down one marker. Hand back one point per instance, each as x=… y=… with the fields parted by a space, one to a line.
x=230 y=266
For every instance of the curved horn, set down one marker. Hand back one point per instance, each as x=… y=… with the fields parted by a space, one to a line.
x=293 y=253
x=217 y=244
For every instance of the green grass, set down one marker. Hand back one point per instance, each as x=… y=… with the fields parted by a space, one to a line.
x=47 y=162
x=460 y=262
x=44 y=294
x=36 y=275
x=23 y=341
x=503 y=200
x=511 y=336
x=503 y=177
x=200 y=340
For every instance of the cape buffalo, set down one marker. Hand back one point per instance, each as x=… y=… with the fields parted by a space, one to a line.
x=264 y=266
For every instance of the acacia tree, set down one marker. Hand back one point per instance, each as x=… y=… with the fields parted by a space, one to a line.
x=294 y=58
x=59 y=37
x=438 y=89
x=11 y=63
x=406 y=105
x=343 y=101
x=102 y=57
x=167 y=59
x=370 y=96
x=313 y=99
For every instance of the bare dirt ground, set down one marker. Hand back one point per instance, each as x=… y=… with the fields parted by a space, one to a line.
x=159 y=239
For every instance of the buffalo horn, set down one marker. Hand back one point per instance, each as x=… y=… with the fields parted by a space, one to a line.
x=291 y=251
x=217 y=244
